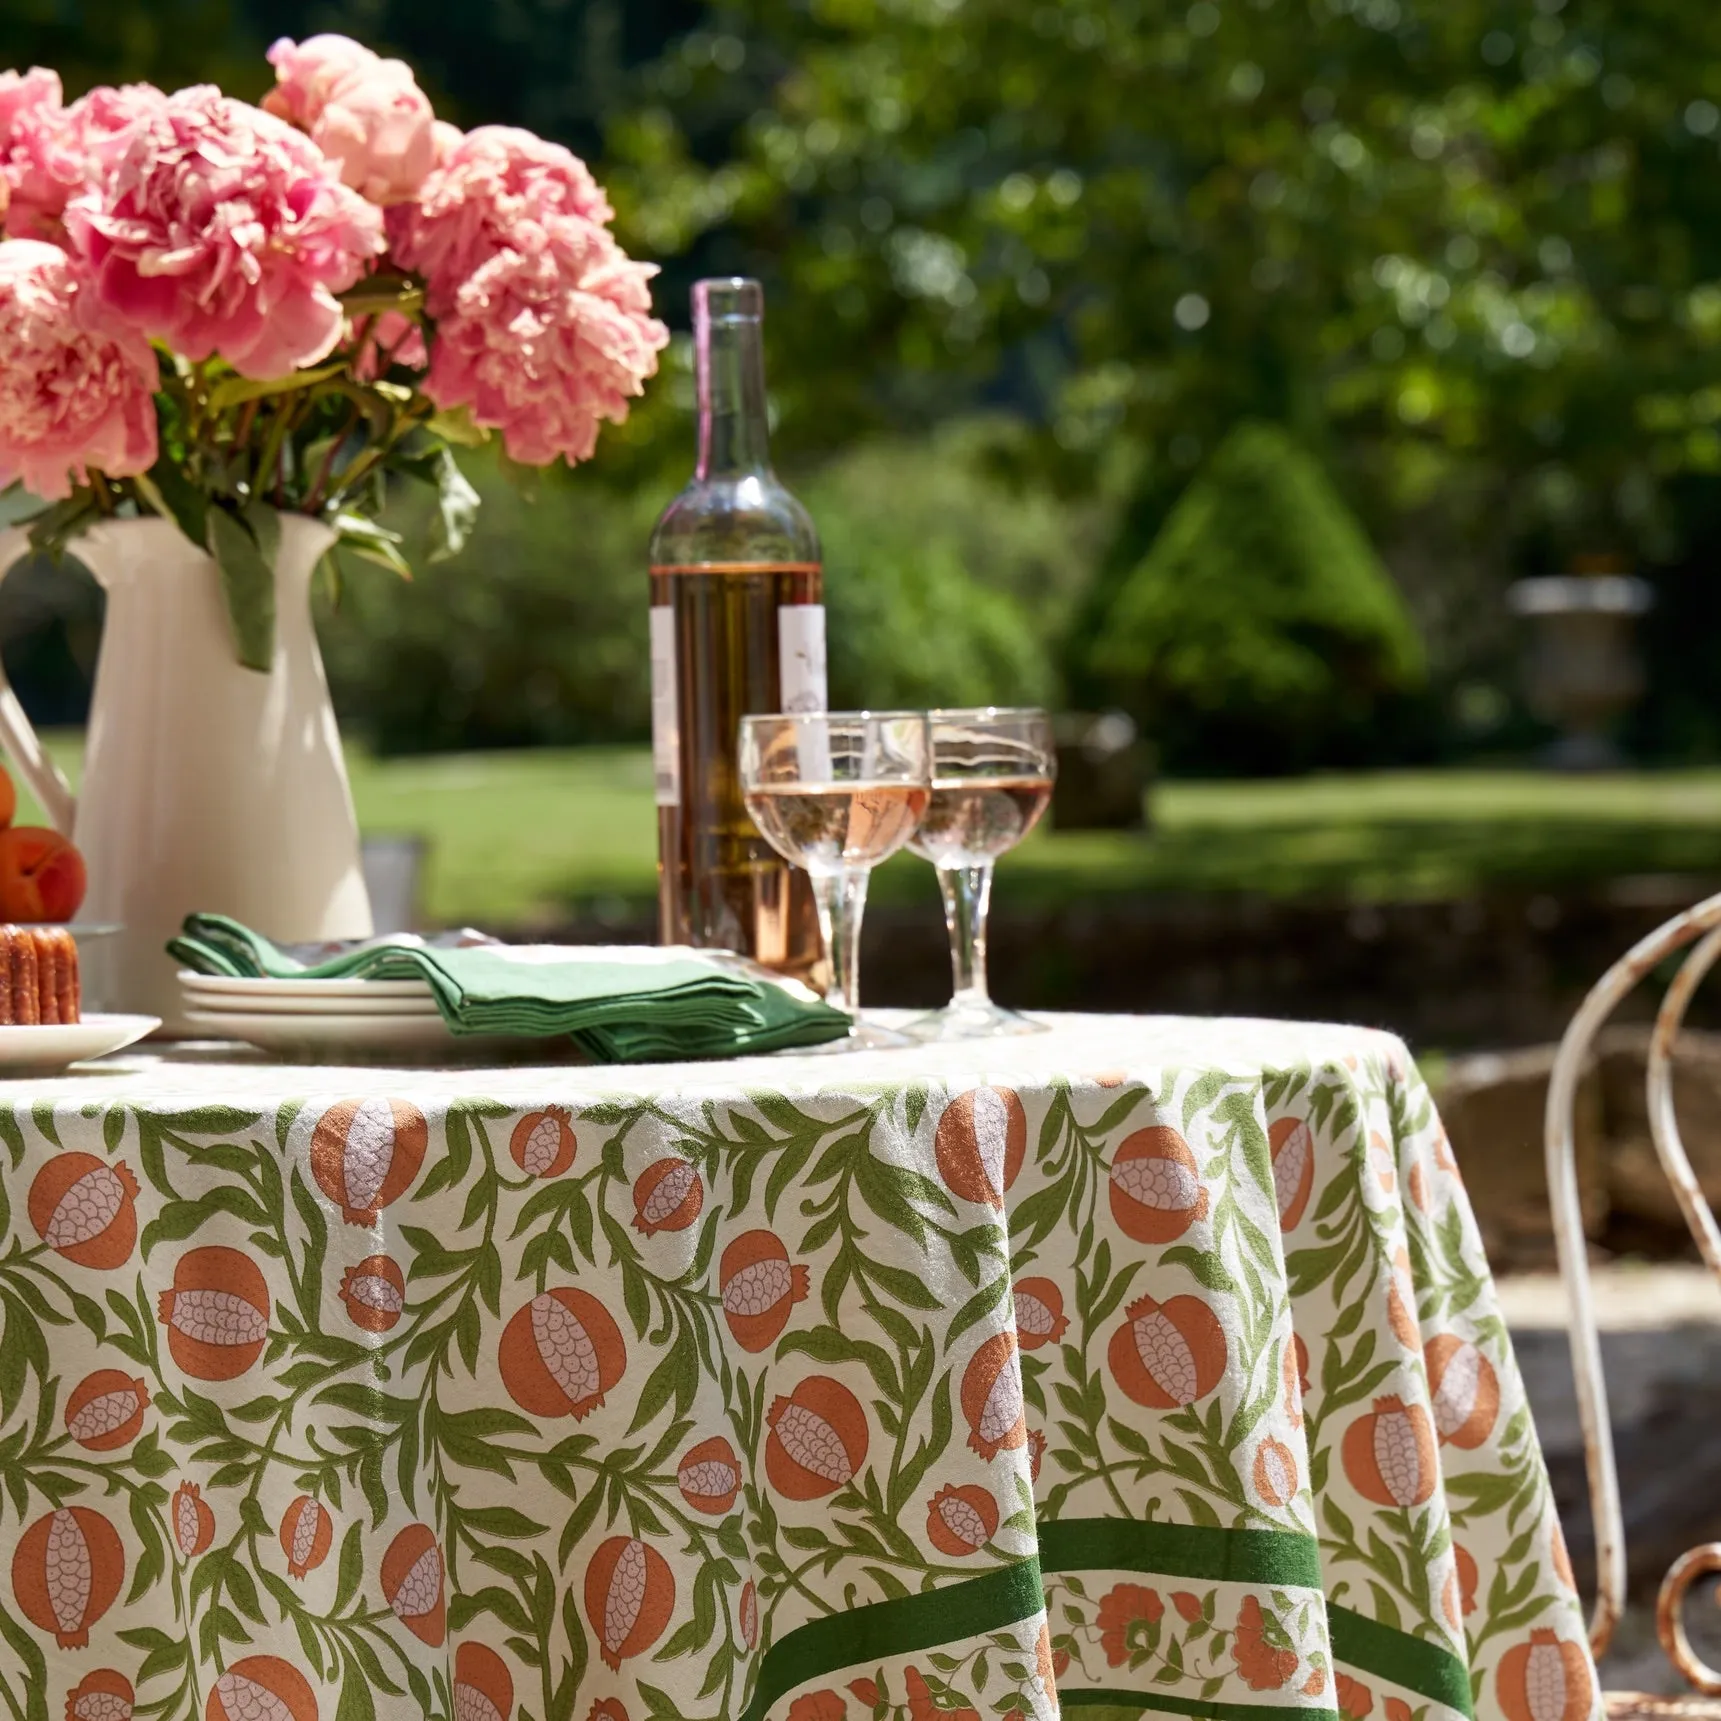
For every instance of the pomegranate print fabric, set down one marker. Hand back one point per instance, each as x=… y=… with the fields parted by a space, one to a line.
x=1134 y=1368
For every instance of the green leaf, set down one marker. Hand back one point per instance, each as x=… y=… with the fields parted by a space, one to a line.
x=356 y=1703
x=374 y=542
x=456 y=508
x=236 y=390
x=457 y=426
x=248 y=580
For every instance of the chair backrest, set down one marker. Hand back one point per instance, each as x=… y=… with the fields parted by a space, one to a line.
x=1701 y=922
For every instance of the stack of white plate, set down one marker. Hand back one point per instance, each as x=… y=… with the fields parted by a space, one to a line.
x=318 y=1016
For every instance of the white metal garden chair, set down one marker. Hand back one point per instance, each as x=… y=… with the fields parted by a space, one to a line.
x=1702 y=922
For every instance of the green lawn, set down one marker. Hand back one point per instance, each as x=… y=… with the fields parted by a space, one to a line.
x=516 y=838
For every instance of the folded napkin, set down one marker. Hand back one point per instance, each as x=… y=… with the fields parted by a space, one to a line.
x=623 y=1004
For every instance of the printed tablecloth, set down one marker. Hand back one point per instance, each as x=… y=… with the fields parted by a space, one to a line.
x=1143 y=1366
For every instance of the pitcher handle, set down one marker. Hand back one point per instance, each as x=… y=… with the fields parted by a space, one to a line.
x=18 y=737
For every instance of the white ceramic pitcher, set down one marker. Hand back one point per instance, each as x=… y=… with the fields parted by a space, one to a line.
x=207 y=786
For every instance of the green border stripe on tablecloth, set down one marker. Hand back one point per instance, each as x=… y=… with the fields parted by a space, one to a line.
x=865 y=1636
x=1250 y=1557
x=1279 y=1557
x=1424 y=1668
x=1136 y=1703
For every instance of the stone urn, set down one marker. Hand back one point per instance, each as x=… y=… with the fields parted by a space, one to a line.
x=1582 y=667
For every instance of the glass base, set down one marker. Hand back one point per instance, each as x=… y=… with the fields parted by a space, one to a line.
x=971 y=1020
x=864 y=1036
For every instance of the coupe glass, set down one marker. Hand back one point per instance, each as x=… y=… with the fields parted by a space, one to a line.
x=836 y=792
x=992 y=773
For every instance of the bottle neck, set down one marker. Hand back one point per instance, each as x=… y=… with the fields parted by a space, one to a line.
x=734 y=432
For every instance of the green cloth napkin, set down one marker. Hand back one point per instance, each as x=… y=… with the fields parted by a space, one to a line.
x=623 y=1005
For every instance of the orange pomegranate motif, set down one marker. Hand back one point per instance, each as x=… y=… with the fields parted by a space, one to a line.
x=709 y=1477
x=193 y=1522
x=1469 y=1577
x=980 y=1144
x=104 y=1695
x=1275 y=1472
x=818 y=1439
x=307 y=1532
x=1401 y=1310
x=1416 y=1185
x=961 y=1521
x=759 y=1288
x=749 y=1611
x=1156 y=1189
x=1443 y=1155
x=561 y=1353
x=1466 y=1390
x=1168 y=1354
x=1558 y=1554
x=1040 y=1317
x=1382 y=1163
x=992 y=1397
x=412 y=1584
x=1295 y=1369
x=483 y=1686
x=608 y=1709
x=1036 y=1453
x=105 y=1410
x=543 y=1143
x=67 y=1569
x=1389 y=1454
x=216 y=1314
x=261 y=1688
x=365 y=1154
x=374 y=1292
x=667 y=1196
x=1293 y=1148
x=85 y=1210
x=1452 y=1599
x=630 y=1594
x=1546 y=1679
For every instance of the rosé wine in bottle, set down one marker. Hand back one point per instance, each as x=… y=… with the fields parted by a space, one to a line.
x=737 y=626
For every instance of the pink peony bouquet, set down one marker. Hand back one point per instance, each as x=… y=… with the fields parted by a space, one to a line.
x=209 y=308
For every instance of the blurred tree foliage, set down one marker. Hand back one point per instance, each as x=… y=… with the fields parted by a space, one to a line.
x=535 y=633
x=1463 y=248
x=1261 y=630
x=1467 y=252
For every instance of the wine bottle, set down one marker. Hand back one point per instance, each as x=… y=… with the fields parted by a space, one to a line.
x=737 y=627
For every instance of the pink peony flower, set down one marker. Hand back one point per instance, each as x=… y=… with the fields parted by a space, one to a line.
x=499 y=188
x=362 y=111
x=543 y=324
x=75 y=389
x=50 y=154
x=545 y=344
x=393 y=337
x=224 y=230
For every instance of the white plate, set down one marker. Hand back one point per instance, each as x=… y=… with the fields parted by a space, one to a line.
x=231 y=988
x=77 y=928
x=56 y=1044
x=322 y=1035
x=222 y=1004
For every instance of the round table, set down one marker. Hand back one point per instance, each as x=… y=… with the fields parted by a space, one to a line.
x=1144 y=1365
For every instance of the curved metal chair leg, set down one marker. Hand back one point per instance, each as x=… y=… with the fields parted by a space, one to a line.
x=1559 y=1127
x=1664 y=1129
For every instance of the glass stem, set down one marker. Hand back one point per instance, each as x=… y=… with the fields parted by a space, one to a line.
x=841 y=899
x=967 y=896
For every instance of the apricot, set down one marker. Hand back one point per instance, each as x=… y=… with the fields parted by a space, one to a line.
x=8 y=797
x=41 y=875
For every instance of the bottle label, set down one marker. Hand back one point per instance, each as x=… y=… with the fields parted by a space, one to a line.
x=801 y=656
x=665 y=716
